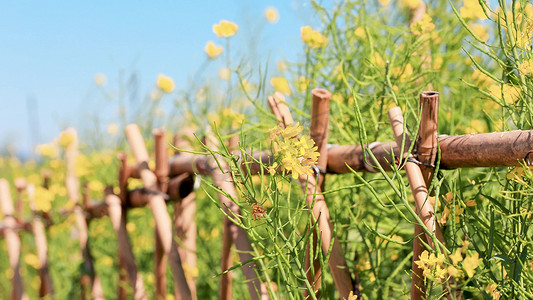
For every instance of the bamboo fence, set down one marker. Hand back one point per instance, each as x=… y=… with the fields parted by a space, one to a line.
x=173 y=178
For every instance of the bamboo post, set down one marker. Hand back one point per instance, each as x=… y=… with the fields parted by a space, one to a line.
x=184 y=218
x=161 y=170
x=89 y=280
x=46 y=288
x=416 y=180
x=125 y=253
x=420 y=193
x=12 y=240
x=222 y=179
x=337 y=263
x=426 y=152
x=159 y=210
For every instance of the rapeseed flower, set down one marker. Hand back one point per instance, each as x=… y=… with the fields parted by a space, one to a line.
x=313 y=38
x=65 y=139
x=412 y=4
x=384 y=2
x=112 y=129
x=225 y=28
x=480 y=31
x=295 y=154
x=526 y=67
x=165 y=83
x=360 y=32
x=471 y=263
x=213 y=50
x=100 y=79
x=472 y=10
x=272 y=15
x=47 y=150
x=432 y=265
x=281 y=85
x=424 y=25
x=224 y=73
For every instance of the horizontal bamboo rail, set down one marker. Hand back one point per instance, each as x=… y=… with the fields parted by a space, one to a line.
x=495 y=149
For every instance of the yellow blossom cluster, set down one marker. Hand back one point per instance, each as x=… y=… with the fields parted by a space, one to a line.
x=213 y=50
x=165 y=83
x=47 y=150
x=472 y=10
x=412 y=4
x=272 y=15
x=424 y=25
x=480 y=31
x=295 y=154
x=225 y=28
x=526 y=67
x=507 y=91
x=66 y=138
x=313 y=38
x=43 y=199
x=432 y=266
x=281 y=85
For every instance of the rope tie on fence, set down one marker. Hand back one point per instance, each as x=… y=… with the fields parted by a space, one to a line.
x=529 y=161
x=416 y=161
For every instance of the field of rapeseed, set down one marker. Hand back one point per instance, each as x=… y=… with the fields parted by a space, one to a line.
x=371 y=56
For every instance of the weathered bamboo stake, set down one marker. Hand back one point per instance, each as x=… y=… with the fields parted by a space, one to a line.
x=426 y=152
x=222 y=179
x=226 y=261
x=319 y=133
x=161 y=172
x=46 y=288
x=416 y=180
x=12 y=241
x=181 y=189
x=337 y=263
x=125 y=253
x=420 y=193
x=159 y=210
x=89 y=280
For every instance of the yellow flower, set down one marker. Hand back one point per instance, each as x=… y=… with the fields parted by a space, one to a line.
x=65 y=139
x=297 y=154
x=422 y=26
x=471 y=263
x=313 y=38
x=100 y=79
x=165 y=83
x=456 y=257
x=431 y=265
x=225 y=28
x=526 y=67
x=43 y=199
x=360 y=32
x=472 y=10
x=412 y=4
x=480 y=31
x=112 y=129
x=377 y=60
x=213 y=50
x=272 y=15
x=281 y=85
x=48 y=150
x=492 y=289
x=32 y=260
x=224 y=73
x=384 y=2
x=511 y=93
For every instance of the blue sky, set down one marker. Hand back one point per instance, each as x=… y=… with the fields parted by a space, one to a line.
x=51 y=51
